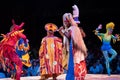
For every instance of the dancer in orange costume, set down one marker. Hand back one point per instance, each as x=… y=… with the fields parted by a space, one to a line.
x=50 y=53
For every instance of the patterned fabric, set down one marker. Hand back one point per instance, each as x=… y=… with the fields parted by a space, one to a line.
x=78 y=51
x=76 y=71
x=80 y=70
x=50 y=55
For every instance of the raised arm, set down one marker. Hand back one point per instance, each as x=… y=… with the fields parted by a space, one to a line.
x=96 y=31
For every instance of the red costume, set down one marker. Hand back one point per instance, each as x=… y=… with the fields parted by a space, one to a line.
x=8 y=44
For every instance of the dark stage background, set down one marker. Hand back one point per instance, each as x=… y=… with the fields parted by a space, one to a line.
x=36 y=13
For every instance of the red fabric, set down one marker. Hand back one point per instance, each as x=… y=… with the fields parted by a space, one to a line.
x=8 y=47
x=9 y=52
x=80 y=70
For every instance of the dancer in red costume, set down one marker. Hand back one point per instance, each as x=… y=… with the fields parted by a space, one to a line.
x=8 y=44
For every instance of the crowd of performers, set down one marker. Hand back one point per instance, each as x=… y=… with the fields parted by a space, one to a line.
x=55 y=54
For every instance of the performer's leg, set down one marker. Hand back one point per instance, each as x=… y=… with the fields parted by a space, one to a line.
x=19 y=69
x=13 y=71
x=114 y=54
x=42 y=77
x=105 y=53
x=18 y=64
x=2 y=60
x=80 y=70
x=55 y=76
x=3 y=63
x=45 y=76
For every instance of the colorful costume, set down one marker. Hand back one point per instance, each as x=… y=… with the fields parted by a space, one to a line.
x=106 y=47
x=50 y=52
x=77 y=51
x=22 y=49
x=66 y=25
x=8 y=47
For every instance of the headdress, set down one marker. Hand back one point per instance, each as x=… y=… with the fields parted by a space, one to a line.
x=65 y=19
x=15 y=26
x=20 y=41
x=51 y=27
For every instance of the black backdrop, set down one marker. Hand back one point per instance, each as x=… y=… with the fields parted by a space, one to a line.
x=36 y=13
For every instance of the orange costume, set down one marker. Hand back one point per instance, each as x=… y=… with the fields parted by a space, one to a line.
x=50 y=52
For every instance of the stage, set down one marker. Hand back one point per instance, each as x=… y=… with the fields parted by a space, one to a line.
x=88 y=77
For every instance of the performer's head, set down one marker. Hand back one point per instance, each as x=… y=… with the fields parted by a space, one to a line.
x=21 y=43
x=50 y=28
x=109 y=27
x=66 y=22
x=15 y=27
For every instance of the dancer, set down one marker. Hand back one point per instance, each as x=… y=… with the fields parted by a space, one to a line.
x=66 y=25
x=50 y=54
x=106 y=47
x=65 y=50
x=22 y=49
x=77 y=50
x=8 y=46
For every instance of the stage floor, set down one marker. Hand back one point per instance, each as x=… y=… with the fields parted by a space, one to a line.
x=88 y=77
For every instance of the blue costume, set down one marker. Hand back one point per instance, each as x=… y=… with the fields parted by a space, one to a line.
x=21 y=52
x=106 y=47
x=70 y=72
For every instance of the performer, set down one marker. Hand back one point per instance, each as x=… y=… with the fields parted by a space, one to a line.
x=8 y=46
x=106 y=47
x=22 y=49
x=65 y=50
x=66 y=25
x=50 y=54
x=77 y=50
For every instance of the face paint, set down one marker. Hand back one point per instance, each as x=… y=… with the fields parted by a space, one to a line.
x=110 y=30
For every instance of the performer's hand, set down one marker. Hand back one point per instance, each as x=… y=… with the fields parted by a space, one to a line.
x=117 y=36
x=60 y=29
x=27 y=40
x=99 y=27
x=3 y=35
x=75 y=11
